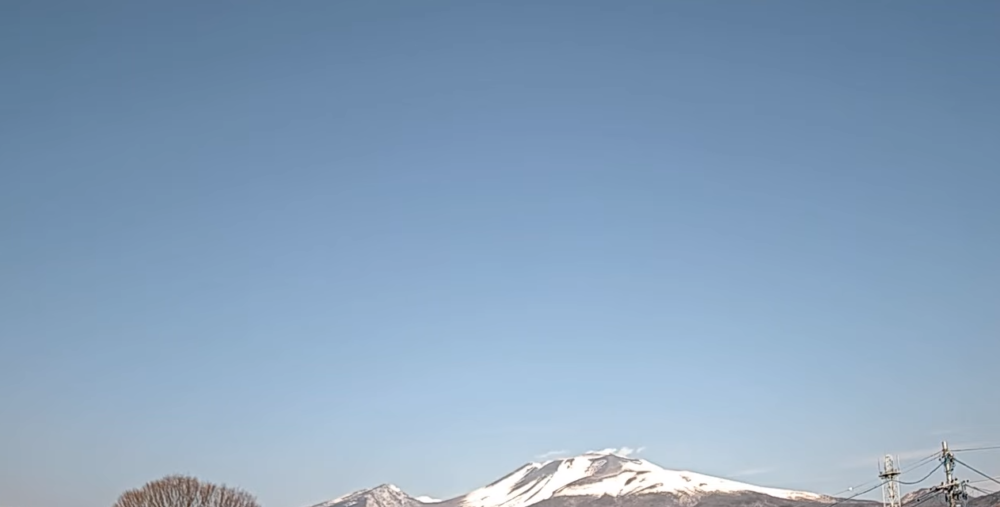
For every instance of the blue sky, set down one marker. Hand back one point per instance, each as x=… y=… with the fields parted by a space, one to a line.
x=307 y=248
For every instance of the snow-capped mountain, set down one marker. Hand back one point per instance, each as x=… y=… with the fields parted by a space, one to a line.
x=385 y=495
x=591 y=478
x=597 y=475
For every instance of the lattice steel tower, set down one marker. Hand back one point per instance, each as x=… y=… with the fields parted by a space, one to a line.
x=890 y=482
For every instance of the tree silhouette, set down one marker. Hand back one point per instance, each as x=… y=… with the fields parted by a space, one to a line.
x=183 y=491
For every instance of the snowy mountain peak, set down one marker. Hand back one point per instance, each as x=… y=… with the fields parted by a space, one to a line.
x=577 y=481
x=601 y=473
x=621 y=452
x=383 y=495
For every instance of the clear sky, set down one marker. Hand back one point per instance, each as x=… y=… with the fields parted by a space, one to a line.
x=310 y=247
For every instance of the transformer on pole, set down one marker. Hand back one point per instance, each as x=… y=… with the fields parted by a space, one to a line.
x=953 y=489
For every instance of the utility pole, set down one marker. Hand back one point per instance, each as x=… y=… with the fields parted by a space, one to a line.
x=890 y=482
x=954 y=490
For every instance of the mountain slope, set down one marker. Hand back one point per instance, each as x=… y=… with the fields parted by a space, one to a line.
x=598 y=480
x=990 y=500
x=597 y=475
x=386 y=495
x=928 y=497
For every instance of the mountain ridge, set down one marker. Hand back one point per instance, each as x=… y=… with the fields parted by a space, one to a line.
x=929 y=497
x=589 y=480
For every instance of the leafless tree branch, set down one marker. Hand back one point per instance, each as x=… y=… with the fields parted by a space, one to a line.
x=183 y=491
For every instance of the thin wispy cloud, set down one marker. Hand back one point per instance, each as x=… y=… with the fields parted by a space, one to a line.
x=620 y=451
x=752 y=471
x=552 y=454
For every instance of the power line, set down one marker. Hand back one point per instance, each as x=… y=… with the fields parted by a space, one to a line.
x=983 y=491
x=988 y=448
x=922 y=462
x=910 y=468
x=994 y=479
x=966 y=465
x=869 y=490
x=852 y=488
x=925 y=477
x=927 y=496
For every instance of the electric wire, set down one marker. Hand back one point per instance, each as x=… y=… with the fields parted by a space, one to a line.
x=987 y=448
x=925 y=477
x=984 y=480
x=869 y=490
x=966 y=465
x=910 y=468
x=924 y=498
x=937 y=454
x=852 y=488
x=852 y=497
x=983 y=491
x=922 y=462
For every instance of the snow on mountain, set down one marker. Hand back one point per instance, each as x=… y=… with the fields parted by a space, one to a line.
x=579 y=480
x=386 y=495
x=598 y=474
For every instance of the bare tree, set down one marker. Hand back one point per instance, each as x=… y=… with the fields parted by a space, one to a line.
x=182 y=491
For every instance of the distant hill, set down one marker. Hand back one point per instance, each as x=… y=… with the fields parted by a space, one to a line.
x=927 y=497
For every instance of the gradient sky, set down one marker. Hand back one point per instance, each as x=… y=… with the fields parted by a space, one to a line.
x=310 y=247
